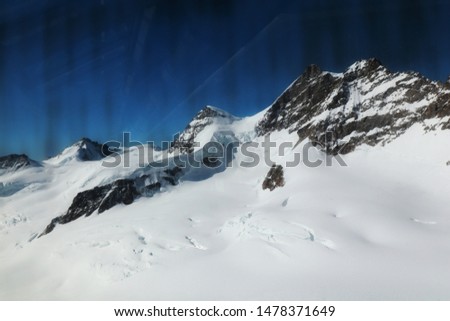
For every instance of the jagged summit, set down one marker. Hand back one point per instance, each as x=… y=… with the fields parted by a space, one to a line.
x=311 y=71
x=365 y=104
x=364 y=65
x=360 y=68
x=84 y=141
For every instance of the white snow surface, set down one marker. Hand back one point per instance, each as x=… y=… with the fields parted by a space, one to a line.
x=376 y=229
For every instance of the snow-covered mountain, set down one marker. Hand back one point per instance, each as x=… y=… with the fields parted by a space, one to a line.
x=14 y=162
x=208 y=121
x=83 y=150
x=367 y=220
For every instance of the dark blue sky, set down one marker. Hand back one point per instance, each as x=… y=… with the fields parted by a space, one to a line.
x=96 y=68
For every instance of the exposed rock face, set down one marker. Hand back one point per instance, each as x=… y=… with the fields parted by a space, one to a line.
x=185 y=141
x=14 y=162
x=174 y=172
x=365 y=104
x=172 y=175
x=122 y=191
x=274 y=178
x=100 y=198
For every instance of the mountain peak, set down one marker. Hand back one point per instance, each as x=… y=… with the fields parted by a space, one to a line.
x=311 y=71
x=85 y=140
x=207 y=121
x=15 y=161
x=212 y=112
x=83 y=150
x=364 y=67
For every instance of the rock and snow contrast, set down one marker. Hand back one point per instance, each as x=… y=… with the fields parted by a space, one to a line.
x=369 y=220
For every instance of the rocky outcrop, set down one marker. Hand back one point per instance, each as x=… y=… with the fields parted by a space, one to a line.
x=367 y=104
x=99 y=198
x=447 y=83
x=122 y=191
x=274 y=178
x=172 y=175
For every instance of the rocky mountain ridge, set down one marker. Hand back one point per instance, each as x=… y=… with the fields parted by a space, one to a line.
x=367 y=104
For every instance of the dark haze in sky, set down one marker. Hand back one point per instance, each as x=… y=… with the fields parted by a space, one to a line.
x=96 y=68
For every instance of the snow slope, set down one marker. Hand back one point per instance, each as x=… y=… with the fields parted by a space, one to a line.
x=376 y=229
